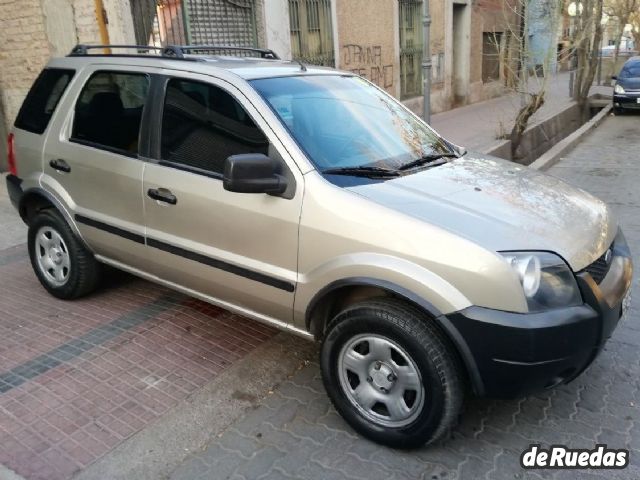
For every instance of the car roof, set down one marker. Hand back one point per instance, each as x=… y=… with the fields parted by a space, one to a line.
x=248 y=68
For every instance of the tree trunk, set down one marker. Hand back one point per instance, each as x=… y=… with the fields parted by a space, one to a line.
x=587 y=51
x=536 y=100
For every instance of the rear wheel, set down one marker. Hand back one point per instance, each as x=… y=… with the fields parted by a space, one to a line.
x=65 y=268
x=391 y=373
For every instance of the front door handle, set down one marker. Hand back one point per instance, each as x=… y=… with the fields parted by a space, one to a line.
x=60 y=165
x=162 y=195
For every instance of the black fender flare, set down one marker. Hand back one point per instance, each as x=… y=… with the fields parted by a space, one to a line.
x=57 y=204
x=450 y=330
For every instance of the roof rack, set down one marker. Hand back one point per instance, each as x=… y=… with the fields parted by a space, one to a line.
x=81 y=49
x=172 y=51
x=181 y=50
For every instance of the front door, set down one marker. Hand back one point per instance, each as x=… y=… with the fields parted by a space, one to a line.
x=238 y=249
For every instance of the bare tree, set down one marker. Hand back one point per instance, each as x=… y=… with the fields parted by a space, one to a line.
x=586 y=39
x=622 y=10
x=528 y=69
x=634 y=20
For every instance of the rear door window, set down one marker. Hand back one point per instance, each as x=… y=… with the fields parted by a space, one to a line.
x=42 y=100
x=109 y=110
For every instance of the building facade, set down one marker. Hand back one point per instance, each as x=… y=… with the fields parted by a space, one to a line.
x=382 y=40
x=544 y=19
x=32 y=31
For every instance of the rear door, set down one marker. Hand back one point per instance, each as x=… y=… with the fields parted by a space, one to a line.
x=31 y=125
x=239 y=249
x=94 y=164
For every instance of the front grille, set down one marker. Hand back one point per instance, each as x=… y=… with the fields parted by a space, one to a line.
x=599 y=269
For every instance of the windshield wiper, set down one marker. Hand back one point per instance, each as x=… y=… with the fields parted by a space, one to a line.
x=362 y=171
x=432 y=160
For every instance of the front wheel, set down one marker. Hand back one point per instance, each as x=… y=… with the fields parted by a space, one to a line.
x=391 y=373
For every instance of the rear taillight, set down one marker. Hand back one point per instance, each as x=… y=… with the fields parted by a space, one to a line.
x=11 y=155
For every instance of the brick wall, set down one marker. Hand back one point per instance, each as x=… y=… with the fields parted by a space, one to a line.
x=32 y=31
x=25 y=49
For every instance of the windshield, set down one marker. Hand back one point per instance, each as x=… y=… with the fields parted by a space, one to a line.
x=344 y=122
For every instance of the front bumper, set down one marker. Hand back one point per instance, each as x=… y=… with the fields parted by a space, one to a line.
x=627 y=100
x=516 y=353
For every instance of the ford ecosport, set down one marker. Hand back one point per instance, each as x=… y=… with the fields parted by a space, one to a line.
x=309 y=199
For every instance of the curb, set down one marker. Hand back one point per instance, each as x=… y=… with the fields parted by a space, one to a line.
x=8 y=474
x=553 y=155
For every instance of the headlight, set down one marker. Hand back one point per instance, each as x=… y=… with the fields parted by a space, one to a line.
x=547 y=281
x=618 y=88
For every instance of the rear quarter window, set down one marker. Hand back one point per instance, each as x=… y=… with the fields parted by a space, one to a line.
x=42 y=100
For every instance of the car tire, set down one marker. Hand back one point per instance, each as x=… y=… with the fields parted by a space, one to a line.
x=65 y=268
x=421 y=398
x=618 y=111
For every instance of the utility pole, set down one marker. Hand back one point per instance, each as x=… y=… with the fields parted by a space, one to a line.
x=426 y=62
x=101 y=18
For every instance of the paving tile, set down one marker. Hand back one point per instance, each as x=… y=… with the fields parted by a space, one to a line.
x=78 y=378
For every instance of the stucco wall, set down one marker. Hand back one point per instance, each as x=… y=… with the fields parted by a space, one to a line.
x=120 y=21
x=59 y=26
x=368 y=40
x=487 y=16
x=543 y=33
x=276 y=26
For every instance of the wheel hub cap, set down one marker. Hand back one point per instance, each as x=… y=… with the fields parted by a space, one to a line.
x=52 y=256
x=381 y=380
x=383 y=376
x=56 y=255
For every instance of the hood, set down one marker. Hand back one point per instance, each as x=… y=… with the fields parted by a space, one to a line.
x=629 y=83
x=502 y=206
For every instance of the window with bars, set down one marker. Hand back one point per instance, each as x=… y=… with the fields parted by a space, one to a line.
x=313 y=15
x=491 y=42
x=197 y=22
x=311 y=31
x=437 y=68
x=411 y=41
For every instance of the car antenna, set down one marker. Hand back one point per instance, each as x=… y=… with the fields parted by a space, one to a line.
x=302 y=66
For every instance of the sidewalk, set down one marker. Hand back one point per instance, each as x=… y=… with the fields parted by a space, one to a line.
x=478 y=126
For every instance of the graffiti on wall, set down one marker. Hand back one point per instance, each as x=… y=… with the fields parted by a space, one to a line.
x=366 y=61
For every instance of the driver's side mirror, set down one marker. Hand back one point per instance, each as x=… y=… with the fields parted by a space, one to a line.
x=253 y=173
x=614 y=77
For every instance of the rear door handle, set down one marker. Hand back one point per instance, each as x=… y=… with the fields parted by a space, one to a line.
x=162 y=195
x=60 y=165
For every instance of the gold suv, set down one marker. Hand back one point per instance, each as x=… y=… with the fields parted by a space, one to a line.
x=309 y=199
